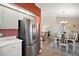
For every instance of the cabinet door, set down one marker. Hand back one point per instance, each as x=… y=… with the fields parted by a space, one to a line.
x=24 y=16
x=10 y=18
x=12 y=50
x=0 y=52
x=1 y=17
x=21 y=16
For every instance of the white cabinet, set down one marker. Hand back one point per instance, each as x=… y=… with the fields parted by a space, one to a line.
x=10 y=18
x=21 y=16
x=0 y=52
x=12 y=47
x=1 y=17
x=12 y=50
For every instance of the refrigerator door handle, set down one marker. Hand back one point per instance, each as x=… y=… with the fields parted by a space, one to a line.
x=28 y=46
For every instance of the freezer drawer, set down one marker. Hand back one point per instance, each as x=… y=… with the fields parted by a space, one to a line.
x=31 y=50
x=28 y=51
x=34 y=49
x=38 y=47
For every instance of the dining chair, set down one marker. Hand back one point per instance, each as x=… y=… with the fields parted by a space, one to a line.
x=73 y=41
x=63 y=42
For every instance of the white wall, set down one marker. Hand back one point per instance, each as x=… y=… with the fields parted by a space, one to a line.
x=71 y=23
x=51 y=23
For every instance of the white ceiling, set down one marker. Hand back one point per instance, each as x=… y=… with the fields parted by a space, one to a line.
x=56 y=9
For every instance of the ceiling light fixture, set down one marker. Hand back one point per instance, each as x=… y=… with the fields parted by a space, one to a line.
x=64 y=21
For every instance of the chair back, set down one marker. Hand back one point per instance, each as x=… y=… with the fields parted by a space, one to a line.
x=63 y=38
x=76 y=36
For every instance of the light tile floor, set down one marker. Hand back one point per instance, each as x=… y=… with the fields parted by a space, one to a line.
x=46 y=51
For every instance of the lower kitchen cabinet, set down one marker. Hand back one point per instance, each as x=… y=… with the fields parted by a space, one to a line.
x=11 y=50
x=0 y=52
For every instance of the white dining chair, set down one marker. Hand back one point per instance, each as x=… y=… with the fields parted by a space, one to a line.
x=56 y=39
x=73 y=41
x=65 y=44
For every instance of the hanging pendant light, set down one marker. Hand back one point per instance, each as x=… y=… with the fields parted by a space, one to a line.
x=64 y=21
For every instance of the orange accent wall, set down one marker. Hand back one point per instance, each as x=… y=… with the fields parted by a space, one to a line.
x=31 y=7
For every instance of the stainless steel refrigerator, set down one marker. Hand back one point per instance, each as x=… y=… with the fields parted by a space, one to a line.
x=27 y=33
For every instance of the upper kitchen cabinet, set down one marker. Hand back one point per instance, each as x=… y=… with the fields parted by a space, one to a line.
x=10 y=18
x=1 y=17
x=22 y=16
x=2 y=26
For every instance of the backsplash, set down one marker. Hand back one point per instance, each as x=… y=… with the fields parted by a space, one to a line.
x=9 y=32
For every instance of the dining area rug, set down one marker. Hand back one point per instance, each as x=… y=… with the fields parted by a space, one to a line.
x=55 y=47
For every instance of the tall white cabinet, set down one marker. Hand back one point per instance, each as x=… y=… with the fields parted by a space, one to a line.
x=1 y=17
x=10 y=18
